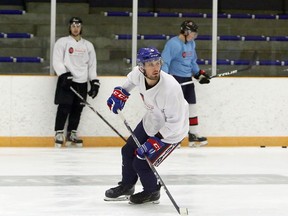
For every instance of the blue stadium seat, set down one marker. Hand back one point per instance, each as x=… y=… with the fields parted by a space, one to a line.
x=2 y=35
x=269 y=62
x=153 y=37
x=240 y=62
x=6 y=59
x=234 y=62
x=240 y=16
x=162 y=14
x=265 y=16
x=12 y=12
x=29 y=59
x=193 y=15
x=229 y=37
x=254 y=38
x=205 y=37
x=19 y=35
x=278 y=38
x=117 y=13
x=198 y=15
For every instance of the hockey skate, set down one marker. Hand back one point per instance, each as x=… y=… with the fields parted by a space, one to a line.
x=145 y=197
x=59 y=139
x=73 y=139
x=196 y=141
x=119 y=193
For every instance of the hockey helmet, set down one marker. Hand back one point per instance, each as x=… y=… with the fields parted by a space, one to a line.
x=77 y=21
x=188 y=26
x=147 y=54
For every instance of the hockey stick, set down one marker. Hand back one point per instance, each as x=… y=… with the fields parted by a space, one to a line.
x=86 y=103
x=228 y=73
x=181 y=211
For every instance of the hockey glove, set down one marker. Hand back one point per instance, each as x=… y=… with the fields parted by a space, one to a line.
x=152 y=145
x=117 y=100
x=202 y=77
x=95 y=85
x=66 y=80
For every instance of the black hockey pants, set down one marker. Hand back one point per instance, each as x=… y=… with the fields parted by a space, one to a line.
x=69 y=106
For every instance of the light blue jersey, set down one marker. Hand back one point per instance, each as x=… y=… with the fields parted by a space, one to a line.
x=180 y=58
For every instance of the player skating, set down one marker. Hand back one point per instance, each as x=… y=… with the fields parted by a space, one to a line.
x=163 y=126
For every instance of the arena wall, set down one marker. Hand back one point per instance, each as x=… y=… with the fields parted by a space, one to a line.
x=232 y=112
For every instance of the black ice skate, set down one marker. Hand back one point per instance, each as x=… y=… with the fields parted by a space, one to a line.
x=59 y=139
x=73 y=139
x=145 y=197
x=119 y=193
x=195 y=141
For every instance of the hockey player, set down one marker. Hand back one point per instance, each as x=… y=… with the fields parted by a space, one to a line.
x=74 y=61
x=179 y=57
x=163 y=127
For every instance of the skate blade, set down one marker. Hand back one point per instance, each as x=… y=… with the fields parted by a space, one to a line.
x=69 y=144
x=58 y=145
x=197 y=144
x=121 y=198
x=149 y=202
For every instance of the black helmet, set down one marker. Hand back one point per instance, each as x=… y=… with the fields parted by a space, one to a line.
x=75 y=20
x=188 y=26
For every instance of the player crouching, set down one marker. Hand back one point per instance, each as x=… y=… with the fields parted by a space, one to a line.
x=163 y=126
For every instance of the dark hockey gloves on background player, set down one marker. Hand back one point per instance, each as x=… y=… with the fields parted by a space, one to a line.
x=66 y=80
x=95 y=85
x=118 y=99
x=152 y=145
x=202 y=77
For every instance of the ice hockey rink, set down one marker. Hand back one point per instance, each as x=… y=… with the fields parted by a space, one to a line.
x=218 y=181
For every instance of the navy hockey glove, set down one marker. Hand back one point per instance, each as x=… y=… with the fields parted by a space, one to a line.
x=118 y=99
x=95 y=85
x=152 y=145
x=202 y=77
x=66 y=80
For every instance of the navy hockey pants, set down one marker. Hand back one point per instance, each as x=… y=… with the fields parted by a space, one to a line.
x=132 y=167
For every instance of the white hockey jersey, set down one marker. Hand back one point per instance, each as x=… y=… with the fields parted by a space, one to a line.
x=167 y=110
x=79 y=58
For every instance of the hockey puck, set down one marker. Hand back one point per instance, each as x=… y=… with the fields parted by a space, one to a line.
x=284 y=146
x=262 y=146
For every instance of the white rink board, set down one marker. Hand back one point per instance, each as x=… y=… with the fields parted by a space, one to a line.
x=226 y=107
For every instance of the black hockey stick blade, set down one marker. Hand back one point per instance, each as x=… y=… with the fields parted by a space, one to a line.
x=95 y=111
x=228 y=73
x=181 y=211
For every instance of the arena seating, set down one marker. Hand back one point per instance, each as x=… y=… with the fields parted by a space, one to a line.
x=12 y=12
x=206 y=37
x=235 y=62
x=240 y=34
x=22 y=59
x=16 y=35
x=197 y=15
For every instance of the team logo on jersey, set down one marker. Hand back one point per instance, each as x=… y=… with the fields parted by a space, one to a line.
x=186 y=54
x=71 y=50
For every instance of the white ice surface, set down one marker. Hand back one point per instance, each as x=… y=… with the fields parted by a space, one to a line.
x=207 y=181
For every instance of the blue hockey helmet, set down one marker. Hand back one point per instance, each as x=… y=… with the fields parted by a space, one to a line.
x=147 y=54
